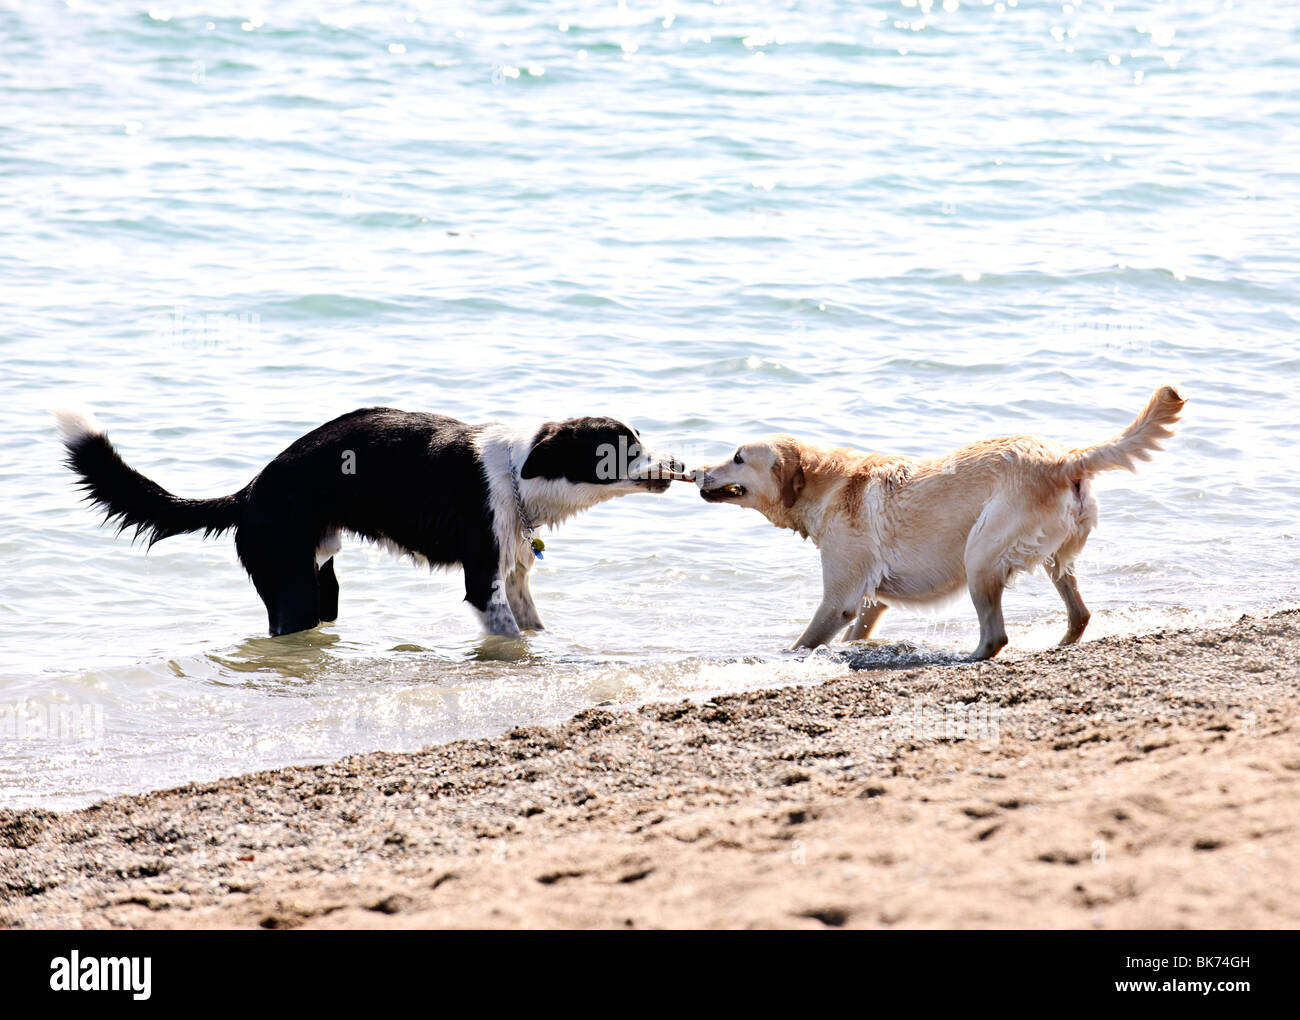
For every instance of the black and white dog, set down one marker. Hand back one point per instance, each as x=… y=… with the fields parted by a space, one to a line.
x=424 y=485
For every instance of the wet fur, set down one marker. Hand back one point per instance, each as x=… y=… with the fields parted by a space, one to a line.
x=907 y=531
x=422 y=485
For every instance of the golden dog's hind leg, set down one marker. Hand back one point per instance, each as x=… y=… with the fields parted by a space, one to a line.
x=868 y=619
x=1077 y=612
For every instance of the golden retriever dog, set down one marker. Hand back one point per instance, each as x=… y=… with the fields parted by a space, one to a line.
x=904 y=531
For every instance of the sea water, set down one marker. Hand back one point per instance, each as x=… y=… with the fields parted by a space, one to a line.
x=898 y=226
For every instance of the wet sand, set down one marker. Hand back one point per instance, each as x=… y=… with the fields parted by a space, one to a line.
x=1145 y=782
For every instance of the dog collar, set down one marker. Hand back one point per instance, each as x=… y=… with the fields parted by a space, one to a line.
x=525 y=522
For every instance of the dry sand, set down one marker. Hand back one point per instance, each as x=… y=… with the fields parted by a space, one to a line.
x=1149 y=782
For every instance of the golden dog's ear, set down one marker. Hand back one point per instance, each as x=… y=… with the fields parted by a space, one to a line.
x=789 y=472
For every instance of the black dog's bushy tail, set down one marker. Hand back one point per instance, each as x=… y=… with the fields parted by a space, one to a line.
x=129 y=498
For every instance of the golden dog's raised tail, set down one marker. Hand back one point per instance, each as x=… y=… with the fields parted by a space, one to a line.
x=1135 y=443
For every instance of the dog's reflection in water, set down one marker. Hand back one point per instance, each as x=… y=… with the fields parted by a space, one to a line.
x=304 y=655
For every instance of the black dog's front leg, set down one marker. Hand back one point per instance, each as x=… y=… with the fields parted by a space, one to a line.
x=521 y=599
x=485 y=590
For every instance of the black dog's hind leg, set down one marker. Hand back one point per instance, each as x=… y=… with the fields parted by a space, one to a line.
x=292 y=600
x=285 y=580
x=329 y=591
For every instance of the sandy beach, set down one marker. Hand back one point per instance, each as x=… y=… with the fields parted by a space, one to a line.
x=1145 y=782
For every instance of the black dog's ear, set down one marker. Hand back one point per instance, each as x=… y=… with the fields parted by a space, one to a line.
x=582 y=450
x=546 y=458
